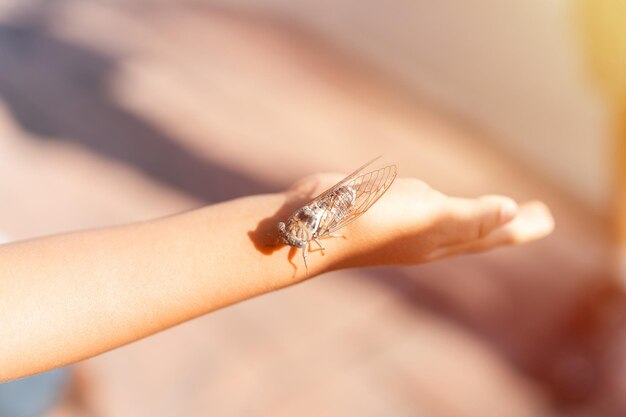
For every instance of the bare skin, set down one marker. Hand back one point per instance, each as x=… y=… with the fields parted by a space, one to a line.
x=73 y=296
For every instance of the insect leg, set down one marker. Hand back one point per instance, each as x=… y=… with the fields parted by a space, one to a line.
x=332 y=235
x=305 y=249
x=319 y=244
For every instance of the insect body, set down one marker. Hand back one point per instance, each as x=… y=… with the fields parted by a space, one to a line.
x=304 y=225
x=335 y=208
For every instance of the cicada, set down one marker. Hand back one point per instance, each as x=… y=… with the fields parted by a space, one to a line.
x=336 y=207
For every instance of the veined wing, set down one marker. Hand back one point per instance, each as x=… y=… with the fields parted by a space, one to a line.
x=343 y=182
x=368 y=188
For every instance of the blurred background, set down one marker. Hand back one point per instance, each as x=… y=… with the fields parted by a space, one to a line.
x=114 y=111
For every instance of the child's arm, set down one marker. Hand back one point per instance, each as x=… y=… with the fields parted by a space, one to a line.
x=68 y=297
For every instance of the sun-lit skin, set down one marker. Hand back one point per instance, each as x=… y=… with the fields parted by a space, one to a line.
x=69 y=297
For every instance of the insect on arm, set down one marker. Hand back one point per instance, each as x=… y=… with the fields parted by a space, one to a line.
x=335 y=208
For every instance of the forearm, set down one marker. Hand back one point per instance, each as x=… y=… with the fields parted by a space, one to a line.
x=69 y=297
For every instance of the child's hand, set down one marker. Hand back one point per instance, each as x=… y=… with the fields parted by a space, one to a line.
x=412 y=223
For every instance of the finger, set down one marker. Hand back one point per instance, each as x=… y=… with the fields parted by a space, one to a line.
x=466 y=220
x=533 y=221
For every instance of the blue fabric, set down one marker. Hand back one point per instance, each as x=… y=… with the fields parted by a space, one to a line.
x=32 y=396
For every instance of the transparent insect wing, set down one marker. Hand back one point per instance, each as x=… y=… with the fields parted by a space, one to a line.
x=368 y=188
x=343 y=182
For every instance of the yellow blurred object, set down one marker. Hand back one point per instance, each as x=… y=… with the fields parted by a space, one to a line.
x=604 y=29
x=604 y=25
